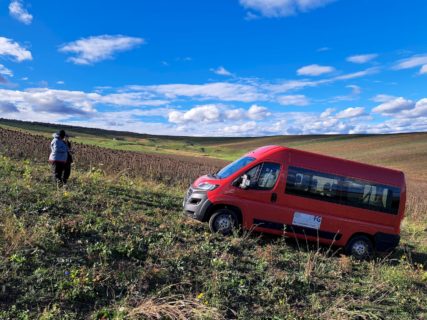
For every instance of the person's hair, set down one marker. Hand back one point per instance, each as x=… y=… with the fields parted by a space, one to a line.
x=61 y=133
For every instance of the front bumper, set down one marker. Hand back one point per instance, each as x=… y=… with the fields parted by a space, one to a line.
x=196 y=204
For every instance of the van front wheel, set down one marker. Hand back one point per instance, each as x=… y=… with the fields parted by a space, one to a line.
x=360 y=247
x=223 y=221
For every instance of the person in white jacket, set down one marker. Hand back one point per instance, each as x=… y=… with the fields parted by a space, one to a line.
x=58 y=157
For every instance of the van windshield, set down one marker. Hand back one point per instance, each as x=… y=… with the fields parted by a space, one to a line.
x=233 y=167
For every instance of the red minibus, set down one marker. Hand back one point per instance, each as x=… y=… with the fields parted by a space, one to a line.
x=309 y=196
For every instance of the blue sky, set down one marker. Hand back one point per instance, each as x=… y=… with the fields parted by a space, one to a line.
x=217 y=68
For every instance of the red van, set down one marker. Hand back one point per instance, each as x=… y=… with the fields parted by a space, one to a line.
x=309 y=196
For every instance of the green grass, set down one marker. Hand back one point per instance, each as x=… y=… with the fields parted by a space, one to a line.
x=116 y=248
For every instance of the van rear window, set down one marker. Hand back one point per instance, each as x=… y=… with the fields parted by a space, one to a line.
x=342 y=190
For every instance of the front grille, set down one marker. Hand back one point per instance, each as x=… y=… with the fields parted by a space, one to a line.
x=187 y=196
x=189 y=192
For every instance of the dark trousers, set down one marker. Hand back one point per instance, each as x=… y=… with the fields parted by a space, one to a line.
x=58 y=169
x=67 y=171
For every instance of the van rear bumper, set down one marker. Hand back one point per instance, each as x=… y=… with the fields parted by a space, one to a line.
x=386 y=242
x=196 y=204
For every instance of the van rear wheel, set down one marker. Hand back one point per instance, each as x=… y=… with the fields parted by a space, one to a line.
x=223 y=221
x=360 y=247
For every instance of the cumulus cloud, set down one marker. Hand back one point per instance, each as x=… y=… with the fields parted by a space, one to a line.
x=420 y=110
x=17 y=11
x=12 y=49
x=211 y=113
x=399 y=107
x=239 y=129
x=423 y=69
x=293 y=100
x=327 y=113
x=393 y=106
x=314 y=70
x=281 y=8
x=207 y=113
x=98 y=48
x=222 y=71
x=362 y=58
x=256 y=112
x=412 y=62
x=351 y=113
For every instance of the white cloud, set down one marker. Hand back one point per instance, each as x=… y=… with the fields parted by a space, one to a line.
x=327 y=113
x=98 y=48
x=224 y=91
x=5 y=71
x=293 y=100
x=323 y=49
x=358 y=74
x=246 y=128
x=355 y=90
x=412 y=62
x=67 y=103
x=222 y=71
x=206 y=113
x=10 y=48
x=351 y=113
x=393 y=126
x=423 y=69
x=17 y=11
x=211 y=113
x=314 y=70
x=281 y=8
x=60 y=82
x=214 y=119
x=394 y=106
x=383 y=98
x=289 y=85
x=256 y=112
x=362 y=58
x=420 y=110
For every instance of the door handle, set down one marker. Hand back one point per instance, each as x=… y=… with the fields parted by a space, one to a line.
x=273 y=197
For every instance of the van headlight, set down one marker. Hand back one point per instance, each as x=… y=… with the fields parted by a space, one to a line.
x=207 y=186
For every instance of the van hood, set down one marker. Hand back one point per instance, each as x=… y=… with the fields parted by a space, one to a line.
x=206 y=179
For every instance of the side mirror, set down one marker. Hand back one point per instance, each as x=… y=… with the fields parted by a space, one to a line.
x=245 y=183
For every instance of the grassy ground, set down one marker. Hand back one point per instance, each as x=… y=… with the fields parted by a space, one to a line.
x=119 y=248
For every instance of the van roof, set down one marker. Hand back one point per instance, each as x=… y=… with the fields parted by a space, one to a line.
x=270 y=150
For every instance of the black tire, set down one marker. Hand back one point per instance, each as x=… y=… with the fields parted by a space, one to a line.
x=223 y=221
x=360 y=247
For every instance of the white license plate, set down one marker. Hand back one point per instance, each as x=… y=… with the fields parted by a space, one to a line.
x=307 y=220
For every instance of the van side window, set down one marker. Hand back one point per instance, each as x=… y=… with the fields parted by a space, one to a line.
x=312 y=184
x=342 y=190
x=264 y=176
x=370 y=195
